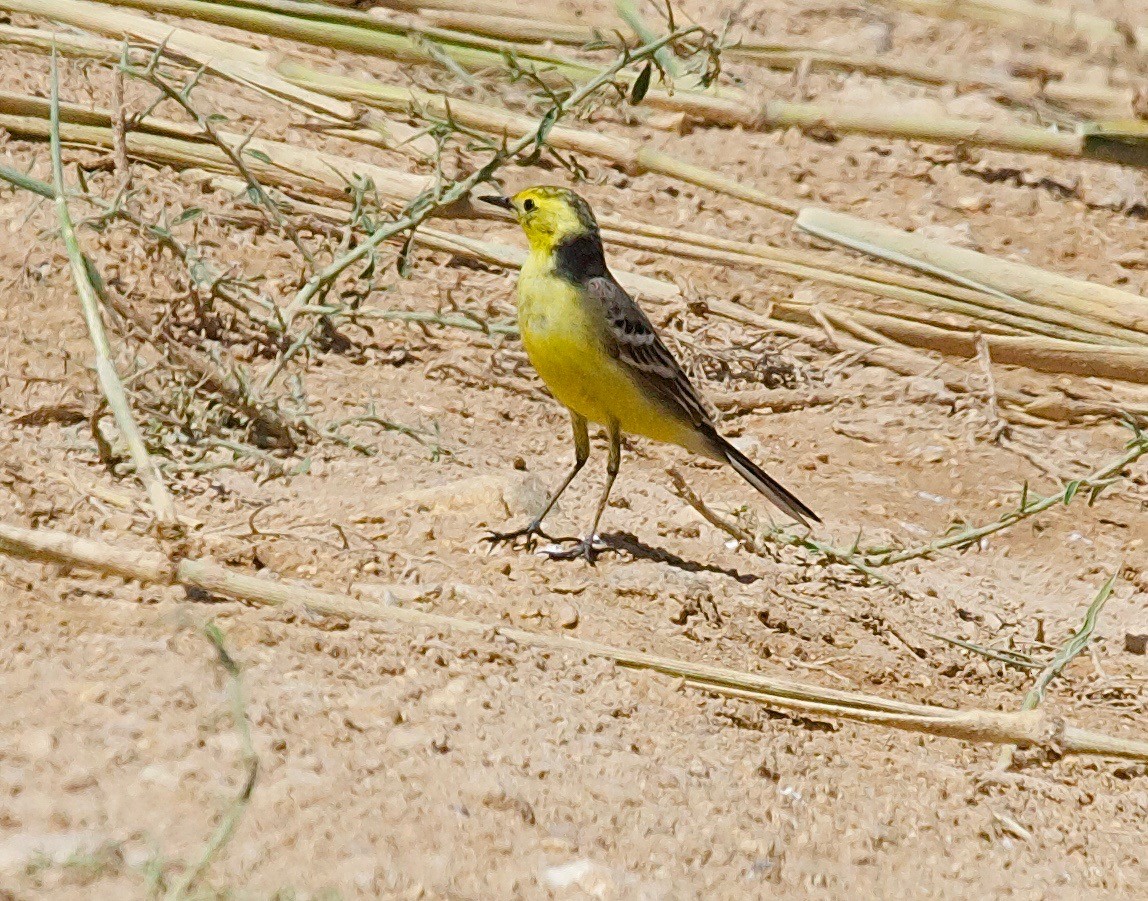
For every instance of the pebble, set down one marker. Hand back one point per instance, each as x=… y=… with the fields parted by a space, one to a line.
x=565 y=875
x=568 y=616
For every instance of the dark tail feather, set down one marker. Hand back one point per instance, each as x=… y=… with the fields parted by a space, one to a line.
x=781 y=497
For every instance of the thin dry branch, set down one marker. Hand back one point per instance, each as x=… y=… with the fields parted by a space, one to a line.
x=1033 y=728
x=180 y=888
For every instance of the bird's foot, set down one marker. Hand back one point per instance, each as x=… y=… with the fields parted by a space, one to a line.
x=588 y=548
x=530 y=532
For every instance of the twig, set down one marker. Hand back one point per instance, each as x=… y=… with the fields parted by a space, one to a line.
x=161 y=501
x=628 y=12
x=999 y=427
x=183 y=98
x=1007 y=658
x=119 y=126
x=1064 y=656
x=1032 y=728
x=226 y=828
x=1092 y=484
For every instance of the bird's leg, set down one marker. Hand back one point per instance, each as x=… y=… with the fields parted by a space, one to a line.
x=534 y=527
x=586 y=547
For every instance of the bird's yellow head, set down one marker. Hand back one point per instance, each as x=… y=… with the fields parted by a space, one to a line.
x=550 y=216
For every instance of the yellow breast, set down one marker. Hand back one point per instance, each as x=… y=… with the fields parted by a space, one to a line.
x=562 y=335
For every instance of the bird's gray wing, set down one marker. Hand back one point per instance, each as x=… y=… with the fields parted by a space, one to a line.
x=632 y=339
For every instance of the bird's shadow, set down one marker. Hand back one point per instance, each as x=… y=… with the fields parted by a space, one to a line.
x=632 y=545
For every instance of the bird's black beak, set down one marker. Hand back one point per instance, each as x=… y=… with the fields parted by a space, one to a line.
x=496 y=200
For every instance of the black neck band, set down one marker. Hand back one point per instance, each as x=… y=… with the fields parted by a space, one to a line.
x=579 y=258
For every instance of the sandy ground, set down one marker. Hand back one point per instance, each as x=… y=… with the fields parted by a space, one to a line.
x=403 y=764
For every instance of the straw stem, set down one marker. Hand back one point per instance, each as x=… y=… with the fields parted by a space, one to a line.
x=1026 y=728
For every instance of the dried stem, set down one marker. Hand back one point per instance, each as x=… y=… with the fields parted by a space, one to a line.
x=161 y=501
x=119 y=125
x=1025 y=728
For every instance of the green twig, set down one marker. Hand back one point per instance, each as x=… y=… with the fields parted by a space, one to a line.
x=1064 y=656
x=628 y=12
x=109 y=380
x=1008 y=658
x=1091 y=485
x=1077 y=643
x=182 y=96
x=226 y=828
x=757 y=543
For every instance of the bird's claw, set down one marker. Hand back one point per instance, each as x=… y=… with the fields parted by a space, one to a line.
x=588 y=548
x=531 y=532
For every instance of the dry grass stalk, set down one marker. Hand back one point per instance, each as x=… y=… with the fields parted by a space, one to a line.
x=226 y=59
x=628 y=155
x=337 y=117
x=930 y=293
x=1025 y=14
x=729 y=110
x=362 y=33
x=513 y=27
x=484 y=7
x=163 y=506
x=1125 y=314
x=1027 y=729
x=727 y=107
x=162 y=142
x=1095 y=99
x=1017 y=407
x=1129 y=364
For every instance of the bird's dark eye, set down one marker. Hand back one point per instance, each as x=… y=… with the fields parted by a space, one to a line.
x=528 y=205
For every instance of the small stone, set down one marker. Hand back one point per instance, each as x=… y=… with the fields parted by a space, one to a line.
x=1135 y=643
x=568 y=616
x=565 y=875
x=118 y=522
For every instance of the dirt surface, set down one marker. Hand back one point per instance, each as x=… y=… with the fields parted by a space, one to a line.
x=402 y=763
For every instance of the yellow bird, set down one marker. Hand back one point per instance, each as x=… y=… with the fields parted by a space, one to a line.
x=601 y=357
